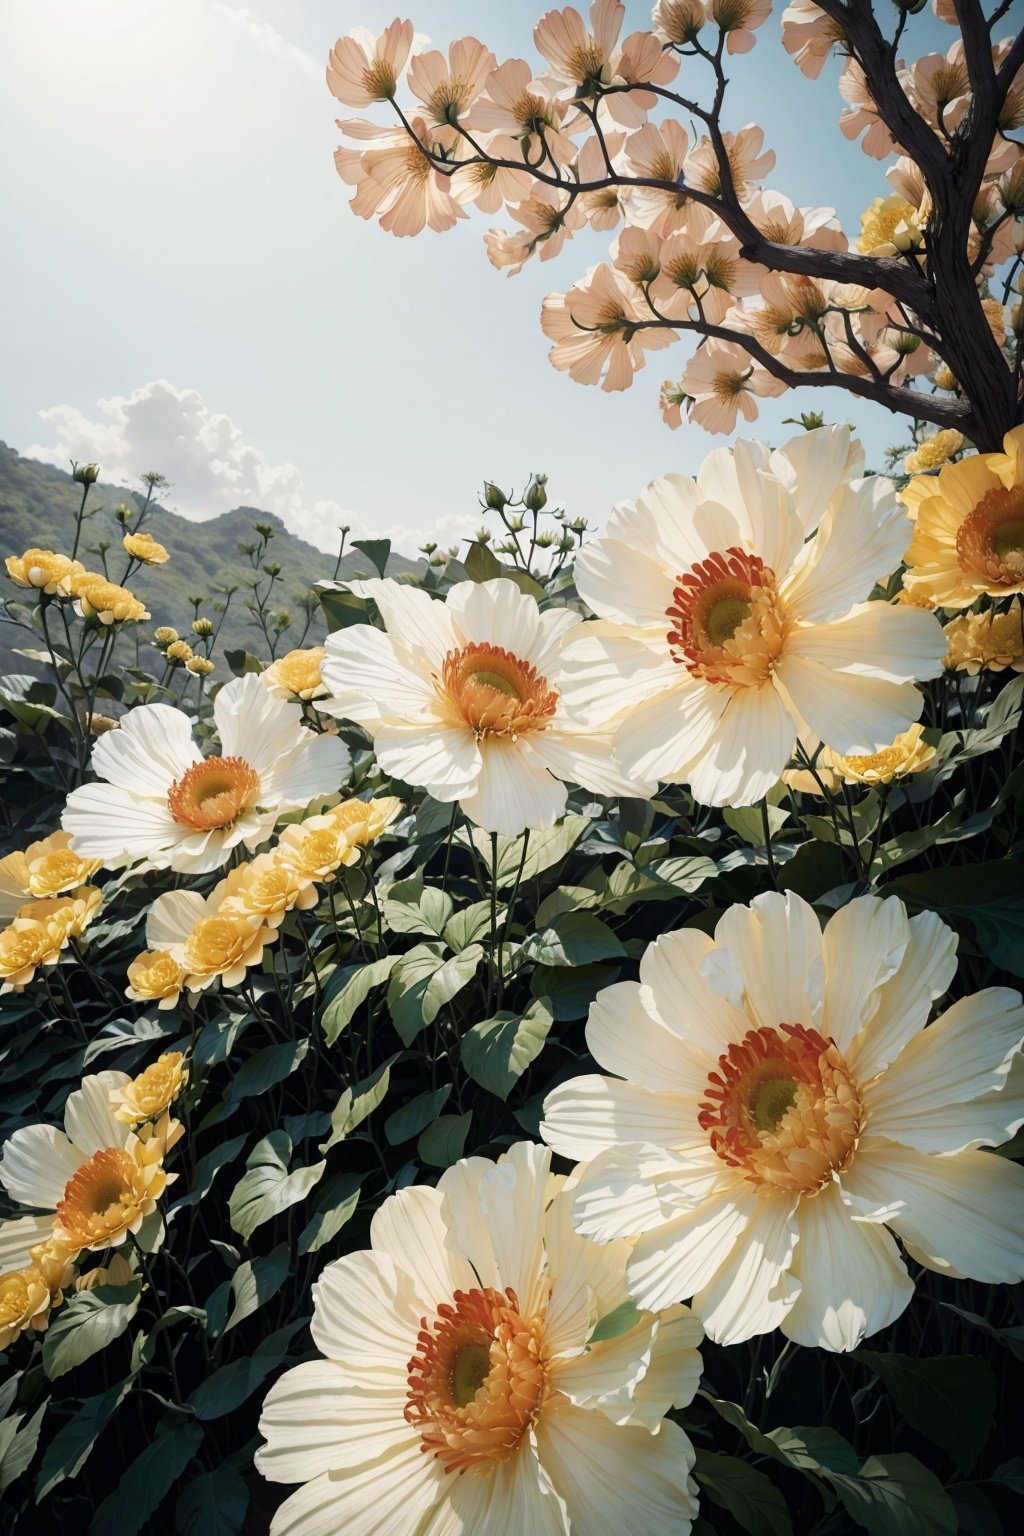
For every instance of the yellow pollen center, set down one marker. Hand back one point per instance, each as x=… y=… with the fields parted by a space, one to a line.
x=213 y=793
x=478 y=1379
x=990 y=540
x=728 y=623
x=494 y=692
x=783 y=1107
x=103 y=1199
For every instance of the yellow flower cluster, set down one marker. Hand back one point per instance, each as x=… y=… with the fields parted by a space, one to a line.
x=247 y=907
x=29 y=1295
x=151 y=1094
x=297 y=675
x=143 y=547
x=45 y=868
x=985 y=642
x=908 y=753
x=889 y=225
x=41 y=930
x=934 y=451
x=43 y=569
x=104 y=600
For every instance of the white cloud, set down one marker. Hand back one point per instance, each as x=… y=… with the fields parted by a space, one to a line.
x=268 y=40
x=211 y=466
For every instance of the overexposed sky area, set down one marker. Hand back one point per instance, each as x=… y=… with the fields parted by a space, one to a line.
x=187 y=291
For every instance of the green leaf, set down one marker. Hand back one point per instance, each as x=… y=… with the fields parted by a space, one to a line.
x=472 y=923
x=255 y=1281
x=243 y=661
x=268 y=1188
x=355 y=1104
x=376 y=551
x=90 y=1321
x=412 y=907
x=896 y=1496
x=348 y=987
x=574 y=938
x=750 y=1497
x=613 y=1324
x=148 y=1477
x=748 y=824
x=442 y=1143
x=949 y=1398
x=230 y=1386
x=265 y=1068
x=1010 y=1338
x=661 y=880
x=545 y=848
x=335 y=1205
x=571 y=990
x=497 y=1051
x=21 y=1447
x=423 y=981
x=213 y=1504
x=66 y=1454
x=341 y=609
x=482 y=564
x=208 y=1168
x=415 y=1115
x=989 y=897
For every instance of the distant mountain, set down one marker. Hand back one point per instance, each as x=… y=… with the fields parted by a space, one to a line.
x=38 y=506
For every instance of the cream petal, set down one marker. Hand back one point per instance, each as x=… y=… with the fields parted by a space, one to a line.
x=624 y=1038
x=851 y=712
x=370 y=683
x=673 y=1375
x=617 y=1480
x=679 y=995
x=420 y=625
x=617 y=1194
x=390 y=1498
x=319 y=766
x=172 y=918
x=110 y=823
x=753 y=740
x=894 y=644
x=587 y=1115
x=366 y=1316
x=663 y=737
x=37 y=1163
x=513 y=1194
x=496 y=613
x=860 y=541
x=679 y=1259
x=314 y=1421
x=768 y=960
x=152 y=747
x=445 y=760
x=410 y=1228
x=964 y=1213
x=18 y=1236
x=607 y=671
x=863 y=946
x=557 y=628
x=586 y=1279
x=584 y=758
x=510 y=794
x=513 y=1498
x=89 y=1115
x=255 y=724
x=754 y=1289
x=469 y=1234
x=904 y=1002
x=852 y=1279
x=820 y=461
x=607 y=1375
x=923 y=1099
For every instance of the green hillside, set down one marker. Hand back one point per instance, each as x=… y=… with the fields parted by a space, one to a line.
x=38 y=505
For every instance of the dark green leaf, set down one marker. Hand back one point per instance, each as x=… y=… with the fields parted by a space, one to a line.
x=413 y=1116
x=335 y=1205
x=376 y=551
x=66 y=1454
x=268 y=1188
x=255 y=1281
x=950 y=1398
x=750 y=1497
x=896 y=1496
x=265 y=1068
x=442 y=1143
x=574 y=938
x=89 y=1322
x=229 y=1387
x=213 y=1504
x=482 y=564
x=497 y=1051
x=348 y=987
x=143 y=1483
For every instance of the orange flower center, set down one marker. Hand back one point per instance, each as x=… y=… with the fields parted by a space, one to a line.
x=478 y=1380
x=494 y=692
x=213 y=793
x=990 y=541
x=102 y=1199
x=728 y=622
x=783 y=1107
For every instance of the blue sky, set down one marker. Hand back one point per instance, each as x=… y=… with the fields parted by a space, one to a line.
x=174 y=215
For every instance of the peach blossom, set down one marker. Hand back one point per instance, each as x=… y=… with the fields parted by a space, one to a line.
x=722 y=380
x=395 y=181
x=362 y=69
x=513 y=105
x=448 y=87
x=809 y=35
x=548 y=217
x=593 y=328
x=657 y=152
x=861 y=116
x=739 y=19
x=748 y=161
x=702 y=271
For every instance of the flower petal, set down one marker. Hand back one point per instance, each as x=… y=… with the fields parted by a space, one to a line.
x=590 y=1114
x=89 y=1115
x=410 y=1228
x=618 y=1481
x=905 y=1001
x=863 y=947
x=314 y=1421
x=152 y=747
x=768 y=960
x=754 y=1289
x=510 y=794
x=37 y=1163
x=678 y=1260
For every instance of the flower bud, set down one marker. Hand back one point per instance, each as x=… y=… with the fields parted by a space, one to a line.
x=165 y=635
x=85 y=474
x=535 y=496
x=199 y=666
x=178 y=651
x=123 y=513
x=202 y=627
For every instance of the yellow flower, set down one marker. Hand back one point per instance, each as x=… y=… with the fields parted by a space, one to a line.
x=202 y=627
x=315 y=849
x=44 y=570
x=263 y=890
x=907 y=599
x=365 y=820
x=889 y=225
x=155 y=976
x=147 y=1096
x=118 y=1272
x=143 y=546
x=29 y=1295
x=223 y=948
x=179 y=650
x=116 y=1189
x=297 y=675
x=34 y=939
x=934 y=451
x=907 y=754
x=45 y=868
x=945 y=378
x=104 y=600
x=73 y=911
x=990 y=642
x=969 y=532
x=199 y=666
x=165 y=635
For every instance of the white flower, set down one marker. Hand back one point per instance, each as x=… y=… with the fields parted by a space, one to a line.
x=462 y=1389
x=727 y=629
x=784 y=1109
x=464 y=698
x=96 y=1181
x=159 y=800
